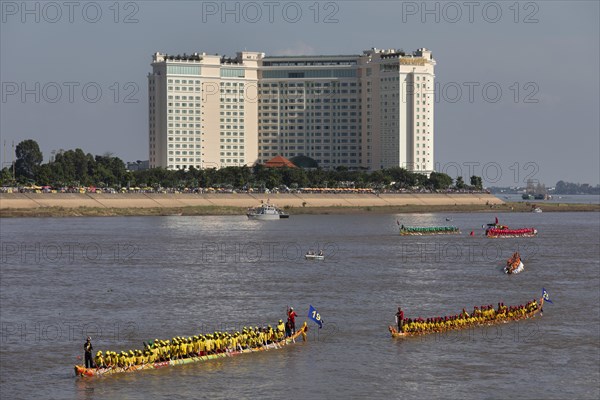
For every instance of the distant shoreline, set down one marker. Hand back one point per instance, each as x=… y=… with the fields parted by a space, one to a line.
x=152 y=204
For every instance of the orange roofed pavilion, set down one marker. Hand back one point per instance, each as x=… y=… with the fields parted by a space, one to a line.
x=279 y=162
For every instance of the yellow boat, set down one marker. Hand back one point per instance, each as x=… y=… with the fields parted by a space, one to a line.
x=82 y=371
x=488 y=322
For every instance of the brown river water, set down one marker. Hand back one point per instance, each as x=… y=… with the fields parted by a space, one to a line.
x=132 y=279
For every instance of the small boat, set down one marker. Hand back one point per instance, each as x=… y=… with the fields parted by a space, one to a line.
x=514 y=270
x=428 y=230
x=266 y=211
x=441 y=325
x=514 y=265
x=81 y=371
x=310 y=256
x=536 y=210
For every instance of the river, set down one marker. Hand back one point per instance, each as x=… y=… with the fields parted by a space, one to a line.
x=125 y=280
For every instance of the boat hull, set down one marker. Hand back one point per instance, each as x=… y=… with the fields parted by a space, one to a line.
x=81 y=371
x=426 y=231
x=525 y=235
x=511 y=233
x=264 y=217
x=313 y=257
x=395 y=334
x=515 y=271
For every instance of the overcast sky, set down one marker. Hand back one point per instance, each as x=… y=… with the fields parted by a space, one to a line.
x=543 y=56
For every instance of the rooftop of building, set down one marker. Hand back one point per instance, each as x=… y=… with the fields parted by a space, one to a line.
x=308 y=56
x=279 y=162
x=239 y=59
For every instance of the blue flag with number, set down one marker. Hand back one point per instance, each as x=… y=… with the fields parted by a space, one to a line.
x=545 y=296
x=314 y=315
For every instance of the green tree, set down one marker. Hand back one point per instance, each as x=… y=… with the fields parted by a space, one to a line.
x=460 y=183
x=380 y=178
x=477 y=182
x=294 y=177
x=440 y=180
x=274 y=180
x=402 y=177
x=74 y=165
x=29 y=158
x=421 y=180
x=317 y=178
x=209 y=178
x=269 y=177
x=6 y=177
x=44 y=175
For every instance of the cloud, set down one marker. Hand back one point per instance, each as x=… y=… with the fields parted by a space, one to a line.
x=298 y=49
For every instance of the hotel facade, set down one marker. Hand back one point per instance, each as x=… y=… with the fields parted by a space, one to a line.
x=367 y=111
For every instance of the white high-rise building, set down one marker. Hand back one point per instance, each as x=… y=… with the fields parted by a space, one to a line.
x=203 y=110
x=369 y=111
x=398 y=104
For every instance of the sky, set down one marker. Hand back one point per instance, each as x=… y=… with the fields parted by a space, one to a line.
x=517 y=83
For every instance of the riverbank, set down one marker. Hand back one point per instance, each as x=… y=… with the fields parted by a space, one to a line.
x=141 y=204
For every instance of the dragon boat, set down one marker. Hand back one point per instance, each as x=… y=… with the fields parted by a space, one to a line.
x=427 y=230
x=81 y=371
x=498 y=319
x=495 y=230
x=506 y=232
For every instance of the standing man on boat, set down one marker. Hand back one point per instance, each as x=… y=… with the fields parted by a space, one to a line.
x=400 y=318
x=292 y=319
x=87 y=349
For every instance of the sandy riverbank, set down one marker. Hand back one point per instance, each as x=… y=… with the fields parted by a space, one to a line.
x=244 y=200
x=75 y=204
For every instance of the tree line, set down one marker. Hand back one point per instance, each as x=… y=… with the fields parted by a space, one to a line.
x=74 y=168
x=575 y=188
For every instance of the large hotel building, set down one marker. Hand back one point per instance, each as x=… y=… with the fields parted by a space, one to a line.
x=369 y=111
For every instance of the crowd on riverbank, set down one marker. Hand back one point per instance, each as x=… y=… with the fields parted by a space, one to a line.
x=217 y=190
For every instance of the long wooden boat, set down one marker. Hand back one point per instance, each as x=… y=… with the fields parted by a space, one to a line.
x=505 y=232
x=81 y=371
x=428 y=230
x=538 y=310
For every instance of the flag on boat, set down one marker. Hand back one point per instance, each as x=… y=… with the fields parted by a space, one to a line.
x=314 y=315
x=545 y=295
